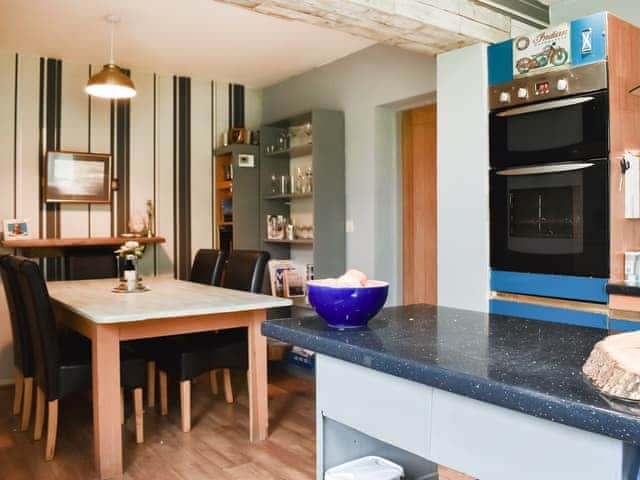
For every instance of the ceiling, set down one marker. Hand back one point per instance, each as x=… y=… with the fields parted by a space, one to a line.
x=199 y=38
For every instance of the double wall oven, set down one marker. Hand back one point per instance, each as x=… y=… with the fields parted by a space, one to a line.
x=549 y=178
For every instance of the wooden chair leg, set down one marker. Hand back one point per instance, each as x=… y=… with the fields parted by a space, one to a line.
x=213 y=380
x=139 y=414
x=228 y=390
x=26 y=405
x=52 y=430
x=162 y=376
x=151 y=384
x=185 y=405
x=122 y=405
x=39 y=422
x=17 y=392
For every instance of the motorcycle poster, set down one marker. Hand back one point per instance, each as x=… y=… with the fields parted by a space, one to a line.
x=542 y=51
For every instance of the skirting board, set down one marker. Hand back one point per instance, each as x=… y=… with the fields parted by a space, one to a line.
x=6 y=382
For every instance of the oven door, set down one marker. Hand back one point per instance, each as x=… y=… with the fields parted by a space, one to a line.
x=551 y=218
x=561 y=130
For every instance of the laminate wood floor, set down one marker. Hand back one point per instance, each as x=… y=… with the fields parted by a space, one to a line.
x=217 y=448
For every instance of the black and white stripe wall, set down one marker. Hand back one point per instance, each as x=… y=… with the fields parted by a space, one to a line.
x=161 y=141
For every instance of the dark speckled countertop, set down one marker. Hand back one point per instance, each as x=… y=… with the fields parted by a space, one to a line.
x=529 y=366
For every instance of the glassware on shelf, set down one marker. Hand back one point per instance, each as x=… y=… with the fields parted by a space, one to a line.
x=307 y=181
x=292 y=184
x=284 y=141
x=284 y=184
x=300 y=182
x=304 y=232
x=274 y=184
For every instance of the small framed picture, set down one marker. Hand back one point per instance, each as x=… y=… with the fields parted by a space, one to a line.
x=293 y=283
x=237 y=135
x=17 y=229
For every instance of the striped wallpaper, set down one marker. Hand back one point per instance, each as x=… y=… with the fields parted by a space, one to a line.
x=161 y=142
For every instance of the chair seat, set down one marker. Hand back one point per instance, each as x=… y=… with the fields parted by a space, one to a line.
x=74 y=370
x=188 y=356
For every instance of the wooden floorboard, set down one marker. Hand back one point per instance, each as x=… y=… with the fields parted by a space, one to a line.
x=217 y=447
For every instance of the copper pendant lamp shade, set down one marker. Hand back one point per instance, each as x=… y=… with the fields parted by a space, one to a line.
x=111 y=81
x=635 y=91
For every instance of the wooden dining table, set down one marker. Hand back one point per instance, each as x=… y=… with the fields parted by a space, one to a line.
x=170 y=307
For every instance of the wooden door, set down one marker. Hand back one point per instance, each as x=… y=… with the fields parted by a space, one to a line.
x=419 y=205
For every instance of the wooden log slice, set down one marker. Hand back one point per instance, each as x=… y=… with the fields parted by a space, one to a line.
x=614 y=366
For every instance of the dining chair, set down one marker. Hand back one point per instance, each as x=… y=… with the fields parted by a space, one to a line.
x=244 y=271
x=206 y=269
x=189 y=356
x=63 y=362
x=22 y=350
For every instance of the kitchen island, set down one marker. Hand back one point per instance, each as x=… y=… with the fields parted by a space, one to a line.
x=494 y=397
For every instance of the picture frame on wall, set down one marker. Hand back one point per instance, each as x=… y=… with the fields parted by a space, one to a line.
x=16 y=229
x=77 y=177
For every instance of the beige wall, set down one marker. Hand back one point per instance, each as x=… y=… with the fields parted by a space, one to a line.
x=86 y=121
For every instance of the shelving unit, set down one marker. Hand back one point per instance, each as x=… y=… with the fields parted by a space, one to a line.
x=243 y=189
x=322 y=148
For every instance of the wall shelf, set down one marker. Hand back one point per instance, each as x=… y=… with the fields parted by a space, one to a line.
x=298 y=241
x=293 y=152
x=289 y=196
x=56 y=247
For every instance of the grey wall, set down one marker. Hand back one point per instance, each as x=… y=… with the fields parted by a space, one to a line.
x=86 y=124
x=361 y=85
x=629 y=10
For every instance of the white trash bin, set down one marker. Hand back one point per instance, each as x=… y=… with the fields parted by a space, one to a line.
x=366 y=468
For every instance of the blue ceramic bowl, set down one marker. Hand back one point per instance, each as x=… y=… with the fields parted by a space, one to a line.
x=347 y=307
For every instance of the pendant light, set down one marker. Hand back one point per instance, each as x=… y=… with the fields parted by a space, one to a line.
x=635 y=91
x=111 y=82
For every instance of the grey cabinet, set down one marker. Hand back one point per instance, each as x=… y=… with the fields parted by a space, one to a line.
x=243 y=189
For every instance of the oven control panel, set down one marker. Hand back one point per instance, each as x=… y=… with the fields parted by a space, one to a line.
x=536 y=88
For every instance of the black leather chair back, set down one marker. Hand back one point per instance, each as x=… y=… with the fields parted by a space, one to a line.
x=42 y=324
x=22 y=349
x=245 y=270
x=207 y=266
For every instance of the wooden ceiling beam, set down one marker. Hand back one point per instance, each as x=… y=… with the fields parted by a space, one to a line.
x=429 y=26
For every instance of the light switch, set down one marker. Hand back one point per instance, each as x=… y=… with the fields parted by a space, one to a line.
x=349 y=226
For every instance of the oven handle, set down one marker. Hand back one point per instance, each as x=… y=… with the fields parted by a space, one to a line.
x=550 y=105
x=549 y=168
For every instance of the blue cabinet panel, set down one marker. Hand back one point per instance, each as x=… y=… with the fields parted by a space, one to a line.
x=500 y=59
x=594 y=29
x=550 y=314
x=558 y=286
x=623 y=325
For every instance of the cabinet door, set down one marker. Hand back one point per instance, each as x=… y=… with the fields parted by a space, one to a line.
x=391 y=409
